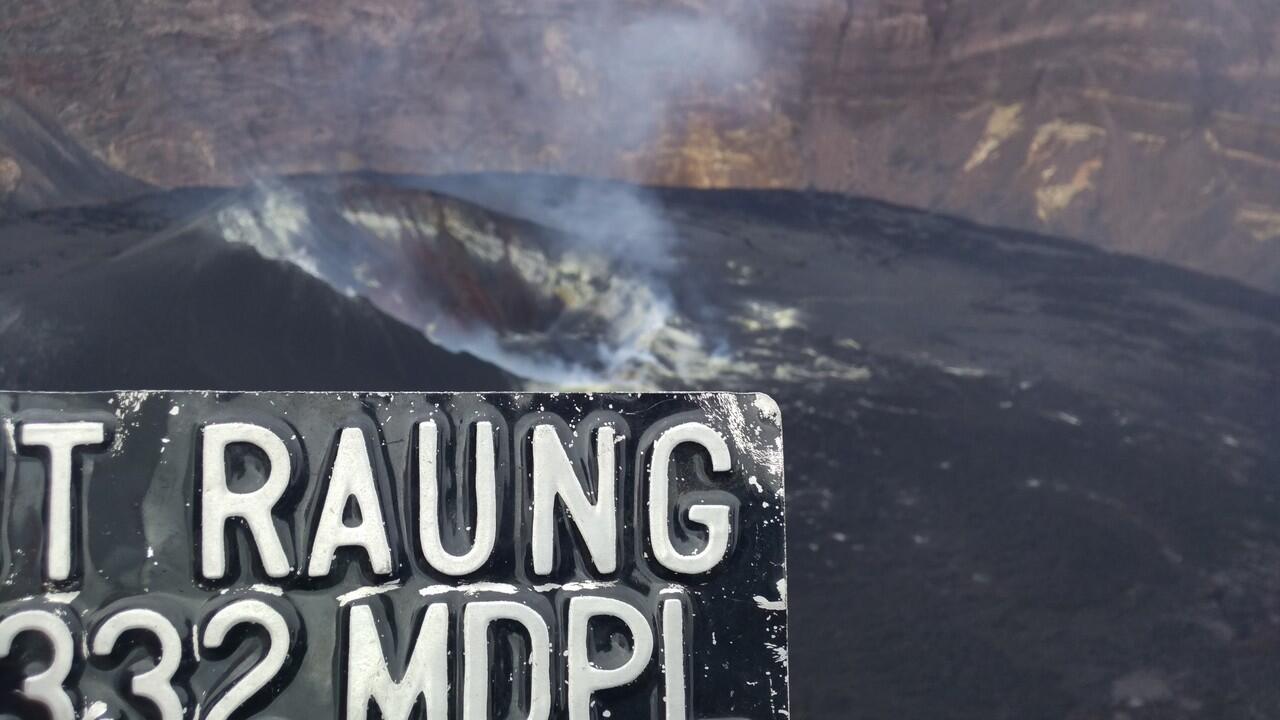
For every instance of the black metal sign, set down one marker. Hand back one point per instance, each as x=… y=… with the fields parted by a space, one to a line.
x=298 y=555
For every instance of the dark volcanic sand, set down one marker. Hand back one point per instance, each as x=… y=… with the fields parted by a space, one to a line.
x=1026 y=479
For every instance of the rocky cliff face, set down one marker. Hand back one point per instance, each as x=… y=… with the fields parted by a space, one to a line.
x=1146 y=126
x=41 y=166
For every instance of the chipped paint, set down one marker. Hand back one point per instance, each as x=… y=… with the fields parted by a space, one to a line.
x=769 y=410
x=367 y=592
x=10 y=436
x=469 y=589
x=577 y=586
x=727 y=410
x=128 y=403
x=780 y=604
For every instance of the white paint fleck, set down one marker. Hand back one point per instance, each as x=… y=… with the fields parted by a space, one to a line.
x=576 y=586
x=779 y=653
x=780 y=604
x=10 y=433
x=127 y=404
x=768 y=407
x=469 y=589
x=365 y=592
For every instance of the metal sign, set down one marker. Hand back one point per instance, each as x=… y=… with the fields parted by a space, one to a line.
x=304 y=555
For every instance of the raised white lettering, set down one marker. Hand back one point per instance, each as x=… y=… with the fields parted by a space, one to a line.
x=220 y=624
x=715 y=518
x=218 y=503
x=554 y=476
x=486 y=509
x=60 y=439
x=155 y=684
x=476 y=620
x=44 y=687
x=585 y=677
x=351 y=479
x=426 y=675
